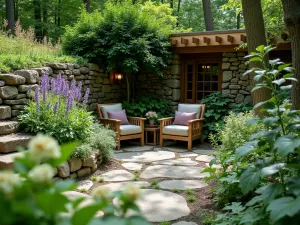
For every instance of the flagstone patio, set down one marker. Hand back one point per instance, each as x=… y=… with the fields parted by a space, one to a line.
x=163 y=174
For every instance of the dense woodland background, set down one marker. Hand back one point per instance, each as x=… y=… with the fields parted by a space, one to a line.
x=50 y=17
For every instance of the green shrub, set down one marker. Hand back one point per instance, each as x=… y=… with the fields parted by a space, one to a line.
x=56 y=111
x=29 y=195
x=101 y=139
x=268 y=164
x=216 y=108
x=140 y=106
x=242 y=107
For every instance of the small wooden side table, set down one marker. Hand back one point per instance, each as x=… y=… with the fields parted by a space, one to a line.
x=155 y=131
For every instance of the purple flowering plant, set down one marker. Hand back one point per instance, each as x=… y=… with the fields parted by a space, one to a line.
x=58 y=109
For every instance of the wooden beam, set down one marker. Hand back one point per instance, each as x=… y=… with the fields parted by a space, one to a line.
x=174 y=42
x=206 y=40
x=218 y=39
x=196 y=40
x=230 y=38
x=206 y=49
x=243 y=38
x=184 y=41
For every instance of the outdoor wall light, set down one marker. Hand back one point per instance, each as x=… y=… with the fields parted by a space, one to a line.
x=205 y=67
x=118 y=76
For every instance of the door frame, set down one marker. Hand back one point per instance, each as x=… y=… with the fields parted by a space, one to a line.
x=196 y=59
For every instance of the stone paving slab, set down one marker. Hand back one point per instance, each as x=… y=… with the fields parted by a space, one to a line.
x=145 y=156
x=117 y=175
x=173 y=172
x=182 y=184
x=188 y=154
x=158 y=206
x=203 y=152
x=120 y=186
x=132 y=166
x=177 y=162
x=184 y=223
x=137 y=148
x=177 y=149
x=204 y=158
x=85 y=185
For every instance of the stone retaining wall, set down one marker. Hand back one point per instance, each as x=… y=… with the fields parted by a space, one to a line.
x=76 y=167
x=167 y=87
x=235 y=85
x=14 y=87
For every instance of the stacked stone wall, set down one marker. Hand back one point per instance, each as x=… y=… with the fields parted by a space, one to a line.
x=14 y=87
x=167 y=87
x=235 y=86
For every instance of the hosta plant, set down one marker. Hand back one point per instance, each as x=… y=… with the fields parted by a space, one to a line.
x=272 y=180
x=28 y=194
x=58 y=109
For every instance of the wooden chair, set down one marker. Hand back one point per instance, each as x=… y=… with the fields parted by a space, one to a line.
x=124 y=132
x=183 y=133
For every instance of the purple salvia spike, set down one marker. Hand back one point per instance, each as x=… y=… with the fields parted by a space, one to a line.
x=79 y=87
x=55 y=108
x=86 y=96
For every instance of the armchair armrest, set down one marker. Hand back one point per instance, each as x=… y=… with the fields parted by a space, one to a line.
x=112 y=123
x=138 y=121
x=195 y=126
x=166 y=121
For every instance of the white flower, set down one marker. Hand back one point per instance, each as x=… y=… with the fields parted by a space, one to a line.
x=100 y=192
x=41 y=173
x=43 y=147
x=132 y=192
x=8 y=180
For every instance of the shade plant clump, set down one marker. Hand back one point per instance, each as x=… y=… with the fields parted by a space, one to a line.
x=29 y=195
x=58 y=109
x=269 y=182
x=216 y=108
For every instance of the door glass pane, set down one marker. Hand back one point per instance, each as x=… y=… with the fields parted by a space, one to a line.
x=200 y=77
x=214 y=77
x=189 y=95
x=190 y=77
x=199 y=95
x=190 y=86
x=207 y=77
x=200 y=86
x=190 y=68
x=214 y=86
x=207 y=86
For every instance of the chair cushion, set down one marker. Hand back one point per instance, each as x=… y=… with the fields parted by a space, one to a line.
x=190 y=108
x=177 y=130
x=182 y=118
x=119 y=115
x=110 y=108
x=130 y=129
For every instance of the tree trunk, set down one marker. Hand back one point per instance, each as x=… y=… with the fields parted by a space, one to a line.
x=291 y=9
x=16 y=10
x=171 y=4
x=255 y=29
x=208 y=18
x=45 y=18
x=38 y=19
x=10 y=14
x=58 y=13
x=238 y=21
x=87 y=4
x=178 y=6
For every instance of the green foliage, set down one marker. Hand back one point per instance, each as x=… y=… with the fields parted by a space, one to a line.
x=22 y=51
x=269 y=181
x=28 y=194
x=140 y=106
x=207 y=216
x=101 y=140
x=216 y=108
x=191 y=198
x=65 y=127
x=127 y=37
x=242 y=107
x=165 y=223
x=188 y=191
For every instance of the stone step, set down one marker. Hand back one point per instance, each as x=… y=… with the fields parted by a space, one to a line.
x=7 y=160
x=9 y=143
x=8 y=127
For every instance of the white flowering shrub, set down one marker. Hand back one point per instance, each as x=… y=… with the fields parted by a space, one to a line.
x=29 y=196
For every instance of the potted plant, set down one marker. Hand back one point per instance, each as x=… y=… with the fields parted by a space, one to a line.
x=151 y=116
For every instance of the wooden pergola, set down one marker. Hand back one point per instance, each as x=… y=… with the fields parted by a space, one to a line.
x=211 y=41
